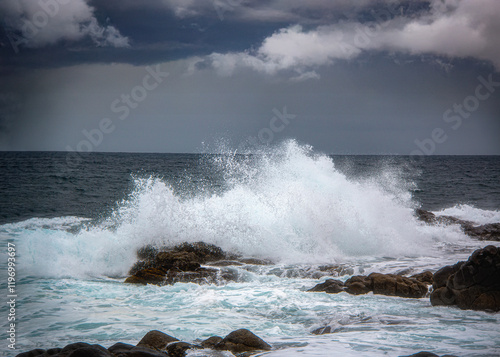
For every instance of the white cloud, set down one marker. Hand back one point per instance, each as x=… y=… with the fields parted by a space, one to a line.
x=453 y=28
x=47 y=22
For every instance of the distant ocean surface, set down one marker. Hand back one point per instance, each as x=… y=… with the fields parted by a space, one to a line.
x=77 y=224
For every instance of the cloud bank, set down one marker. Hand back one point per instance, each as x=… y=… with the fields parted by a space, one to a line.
x=452 y=28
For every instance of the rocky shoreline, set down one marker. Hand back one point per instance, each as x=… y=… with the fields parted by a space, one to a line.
x=472 y=284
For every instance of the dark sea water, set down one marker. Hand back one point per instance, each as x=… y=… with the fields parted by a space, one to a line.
x=43 y=184
x=77 y=222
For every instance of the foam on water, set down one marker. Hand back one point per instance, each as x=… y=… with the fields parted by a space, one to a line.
x=287 y=204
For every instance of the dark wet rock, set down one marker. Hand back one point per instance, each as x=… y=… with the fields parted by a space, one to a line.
x=425 y=277
x=482 y=232
x=431 y=218
x=158 y=344
x=242 y=340
x=178 y=349
x=425 y=216
x=474 y=284
x=440 y=277
x=32 y=353
x=211 y=342
x=395 y=285
x=181 y=263
x=156 y=340
x=147 y=276
x=383 y=284
x=330 y=286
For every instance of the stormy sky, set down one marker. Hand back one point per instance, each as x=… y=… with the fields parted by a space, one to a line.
x=347 y=77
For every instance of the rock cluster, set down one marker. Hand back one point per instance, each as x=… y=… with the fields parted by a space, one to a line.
x=181 y=263
x=474 y=284
x=158 y=344
x=383 y=284
x=489 y=231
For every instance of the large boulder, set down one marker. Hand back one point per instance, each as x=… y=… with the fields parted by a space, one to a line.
x=156 y=340
x=474 y=284
x=242 y=340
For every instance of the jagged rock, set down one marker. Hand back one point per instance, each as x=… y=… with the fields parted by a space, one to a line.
x=211 y=342
x=242 y=340
x=156 y=340
x=179 y=264
x=483 y=232
x=330 y=286
x=474 y=284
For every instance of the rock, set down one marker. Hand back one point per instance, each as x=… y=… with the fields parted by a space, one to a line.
x=330 y=286
x=322 y=330
x=474 y=284
x=242 y=340
x=120 y=347
x=181 y=263
x=178 y=349
x=440 y=277
x=484 y=232
x=156 y=340
x=383 y=284
x=147 y=276
x=425 y=216
x=32 y=353
x=425 y=277
x=211 y=342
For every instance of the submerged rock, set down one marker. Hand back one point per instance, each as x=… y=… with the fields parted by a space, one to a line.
x=383 y=284
x=474 y=284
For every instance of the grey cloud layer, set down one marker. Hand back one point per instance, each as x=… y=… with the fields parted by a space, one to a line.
x=461 y=28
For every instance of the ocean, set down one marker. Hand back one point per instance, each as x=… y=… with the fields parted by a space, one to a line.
x=76 y=222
